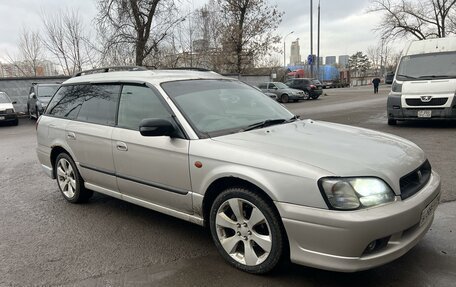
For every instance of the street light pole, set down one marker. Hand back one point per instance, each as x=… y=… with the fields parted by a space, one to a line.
x=284 y=51
x=311 y=38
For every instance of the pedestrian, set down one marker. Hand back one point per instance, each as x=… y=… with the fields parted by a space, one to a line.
x=376 y=82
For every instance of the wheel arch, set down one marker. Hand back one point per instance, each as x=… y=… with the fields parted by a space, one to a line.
x=221 y=184
x=55 y=151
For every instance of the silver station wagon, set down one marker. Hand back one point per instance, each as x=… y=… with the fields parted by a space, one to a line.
x=214 y=151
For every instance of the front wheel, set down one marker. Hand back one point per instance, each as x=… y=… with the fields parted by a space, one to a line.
x=246 y=231
x=69 y=180
x=392 y=122
x=284 y=99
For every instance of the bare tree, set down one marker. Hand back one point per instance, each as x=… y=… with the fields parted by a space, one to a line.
x=421 y=19
x=30 y=49
x=142 y=25
x=247 y=29
x=65 y=37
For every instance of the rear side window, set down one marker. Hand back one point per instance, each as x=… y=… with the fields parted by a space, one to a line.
x=89 y=103
x=66 y=102
x=100 y=104
x=138 y=103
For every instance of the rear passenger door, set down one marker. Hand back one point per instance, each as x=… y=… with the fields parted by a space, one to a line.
x=89 y=134
x=151 y=169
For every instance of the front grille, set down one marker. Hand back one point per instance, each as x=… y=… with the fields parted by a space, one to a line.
x=414 y=181
x=432 y=102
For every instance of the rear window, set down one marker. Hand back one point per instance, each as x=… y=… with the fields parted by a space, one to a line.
x=46 y=91
x=90 y=103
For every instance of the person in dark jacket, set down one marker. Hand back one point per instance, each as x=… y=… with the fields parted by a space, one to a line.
x=376 y=83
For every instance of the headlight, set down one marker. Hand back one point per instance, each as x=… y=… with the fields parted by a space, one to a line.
x=10 y=111
x=396 y=87
x=355 y=193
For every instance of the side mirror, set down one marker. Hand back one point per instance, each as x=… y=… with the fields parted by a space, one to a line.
x=156 y=128
x=14 y=102
x=32 y=96
x=274 y=88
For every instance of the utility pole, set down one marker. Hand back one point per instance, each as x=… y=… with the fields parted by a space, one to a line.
x=318 y=43
x=311 y=38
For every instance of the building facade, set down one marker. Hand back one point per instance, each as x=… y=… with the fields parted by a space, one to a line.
x=295 y=53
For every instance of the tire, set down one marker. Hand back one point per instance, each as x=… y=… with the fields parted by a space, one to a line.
x=314 y=97
x=306 y=95
x=264 y=240
x=284 y=98
x=16 y=122
x=392 y=122
x=70 y=181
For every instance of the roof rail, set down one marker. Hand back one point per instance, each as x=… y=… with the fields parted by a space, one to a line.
x=188 y=69
x=110 y=69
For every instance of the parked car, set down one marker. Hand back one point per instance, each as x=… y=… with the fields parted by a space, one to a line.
x=389 y=78
x=7 y=111
x=283 y=93
x=312 y=88
x=216 y=152
x=425 y=82
x=39 y=97
x=271 y=95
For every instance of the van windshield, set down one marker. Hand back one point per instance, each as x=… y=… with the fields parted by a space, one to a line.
x=427 y=66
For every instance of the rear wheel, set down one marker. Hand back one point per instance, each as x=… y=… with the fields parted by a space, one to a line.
x=69 y=180
x=246 y=230
x=392 y=122
x=306 y=95
x=315 y=96
x=284 y=98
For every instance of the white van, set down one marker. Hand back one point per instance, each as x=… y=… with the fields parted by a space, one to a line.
x=425 y=82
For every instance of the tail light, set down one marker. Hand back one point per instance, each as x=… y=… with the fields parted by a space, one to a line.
x=313 y=86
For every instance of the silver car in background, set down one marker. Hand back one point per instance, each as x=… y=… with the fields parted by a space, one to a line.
x=284 y=93
x=216 y=152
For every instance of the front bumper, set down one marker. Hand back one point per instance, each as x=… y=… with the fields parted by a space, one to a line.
x=397 y=112
x=337 y=240
x=8 y=117
x=296 y=97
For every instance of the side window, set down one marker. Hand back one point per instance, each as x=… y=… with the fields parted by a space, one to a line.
x=271 y=86
x=262 y=86
x=289 y=83
x=67 y=101
x=100 y=104
x=138 y=103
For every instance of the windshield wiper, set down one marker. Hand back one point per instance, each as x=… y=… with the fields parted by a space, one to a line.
x=267 y=123
x=437 y=76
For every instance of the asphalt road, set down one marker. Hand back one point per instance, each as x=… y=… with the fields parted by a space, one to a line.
x=45 y=241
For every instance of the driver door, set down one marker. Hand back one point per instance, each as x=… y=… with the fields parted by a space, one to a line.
x=151 y=169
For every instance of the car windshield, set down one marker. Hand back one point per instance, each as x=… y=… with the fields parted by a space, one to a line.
x=281 y=85
x=427 y=66
x=4 y=98
x=220 y=107
x=47 y=91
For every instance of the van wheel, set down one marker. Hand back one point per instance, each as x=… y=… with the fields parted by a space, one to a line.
x=284 y=98
x=392 y=122
x=69 y=180
x=246 y=231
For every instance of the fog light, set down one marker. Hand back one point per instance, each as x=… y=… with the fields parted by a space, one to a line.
x=371 y=246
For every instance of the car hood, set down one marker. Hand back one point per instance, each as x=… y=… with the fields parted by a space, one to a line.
x=338 y=149
x=438 y=87
x=5 y=106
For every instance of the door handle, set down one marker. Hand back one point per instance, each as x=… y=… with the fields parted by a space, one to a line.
x=71 y=136
x=121 y=146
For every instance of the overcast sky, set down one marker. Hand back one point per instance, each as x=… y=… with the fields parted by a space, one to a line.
x=345 y=26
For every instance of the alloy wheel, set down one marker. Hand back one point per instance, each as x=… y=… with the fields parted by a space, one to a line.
x=243 y=231
x=66 y=178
